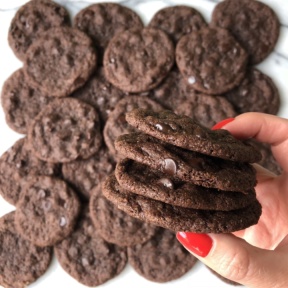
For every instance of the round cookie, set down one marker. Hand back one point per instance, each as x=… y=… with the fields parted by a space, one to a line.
x=177 y=21
x=162 y=258
x=182 y=131
x=22 y=262
x=85 y=175
x=100 y=94
x=17 y=166
x=65 y=130
x=211 y=60
x=179 y=218
x=206 y=109
x=256 y=93
x=114 y=225
x=146 y=181
x=254 y=25
x=104 y=20
x=46 y=211
x=20 y=102
x=137 y=60
x=60 y=61
x=170 y=92
x=185 y=165
x=31 y=20
x=87 y=257
x=116 y=124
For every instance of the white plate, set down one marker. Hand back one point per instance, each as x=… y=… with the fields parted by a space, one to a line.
x=276 y=66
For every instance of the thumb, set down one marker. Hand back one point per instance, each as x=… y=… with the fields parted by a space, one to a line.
x=236 y=260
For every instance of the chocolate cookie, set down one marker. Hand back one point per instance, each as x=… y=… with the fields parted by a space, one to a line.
x=65 y=130
x=60 y=61
x=20 y=102
x=170 y=93
x=206 y=109
x=116 y=124
x=211 y=60
x=114 y=225
x=182 y=131
x=256 y=93
x=104 y=20
x=17 y=166
x=179 y=218
x=177 y=21
x=46 y=211
x=186 y=165
x=151 y=183
x=254 y=25
x=100 y=94
x=137 y=60
x=87 y=257
x=31 y=20
x=162 y=258
x=21 y=261
x=85 y=175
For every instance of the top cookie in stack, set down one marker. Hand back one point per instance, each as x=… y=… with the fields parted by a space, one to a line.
x=183 y=176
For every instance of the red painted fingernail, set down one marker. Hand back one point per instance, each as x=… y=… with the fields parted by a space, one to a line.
x=222 y=123
x=199 y=244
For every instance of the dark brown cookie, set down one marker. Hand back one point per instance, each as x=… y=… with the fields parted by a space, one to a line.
x=256 y=93
x=114 y=225
x=60 y=61
x=87 y=257
x=170 y=93
x=102 y=21
x=116 y=124
x=137 y=60
x=186 y=165
x=254 y=25
x=100 y=94
x=179 y=218
x=177 y=21
x=206 y=109
x=20 y=102
x=85 y=175
x=31 y=20
x=151 y=183
x=182 y=131
x=211 y=60
x=46 y=211
x=21 y=261
x=17 y=166
x=162 y=258
x=65 y=130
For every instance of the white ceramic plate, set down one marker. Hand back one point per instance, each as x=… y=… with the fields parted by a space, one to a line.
x=276 y=66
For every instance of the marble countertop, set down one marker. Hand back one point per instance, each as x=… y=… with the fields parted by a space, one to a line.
x=276 y=66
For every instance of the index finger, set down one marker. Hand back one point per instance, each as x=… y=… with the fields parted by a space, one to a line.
x=264 y=128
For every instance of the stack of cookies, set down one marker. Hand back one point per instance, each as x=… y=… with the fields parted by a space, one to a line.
x=70 y=99
x=183 y=176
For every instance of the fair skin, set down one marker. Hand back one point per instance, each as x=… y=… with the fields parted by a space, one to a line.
x=258 y=256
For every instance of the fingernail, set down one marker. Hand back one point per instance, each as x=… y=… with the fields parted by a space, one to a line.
x=199 y=244
x=222 y=123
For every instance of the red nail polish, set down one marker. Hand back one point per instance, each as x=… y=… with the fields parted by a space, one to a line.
x=222 y=123
x=199 y=244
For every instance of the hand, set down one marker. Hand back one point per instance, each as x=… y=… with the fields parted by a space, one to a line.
x=260 y=258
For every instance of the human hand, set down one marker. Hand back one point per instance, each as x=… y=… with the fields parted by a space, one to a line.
x=257 y=256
